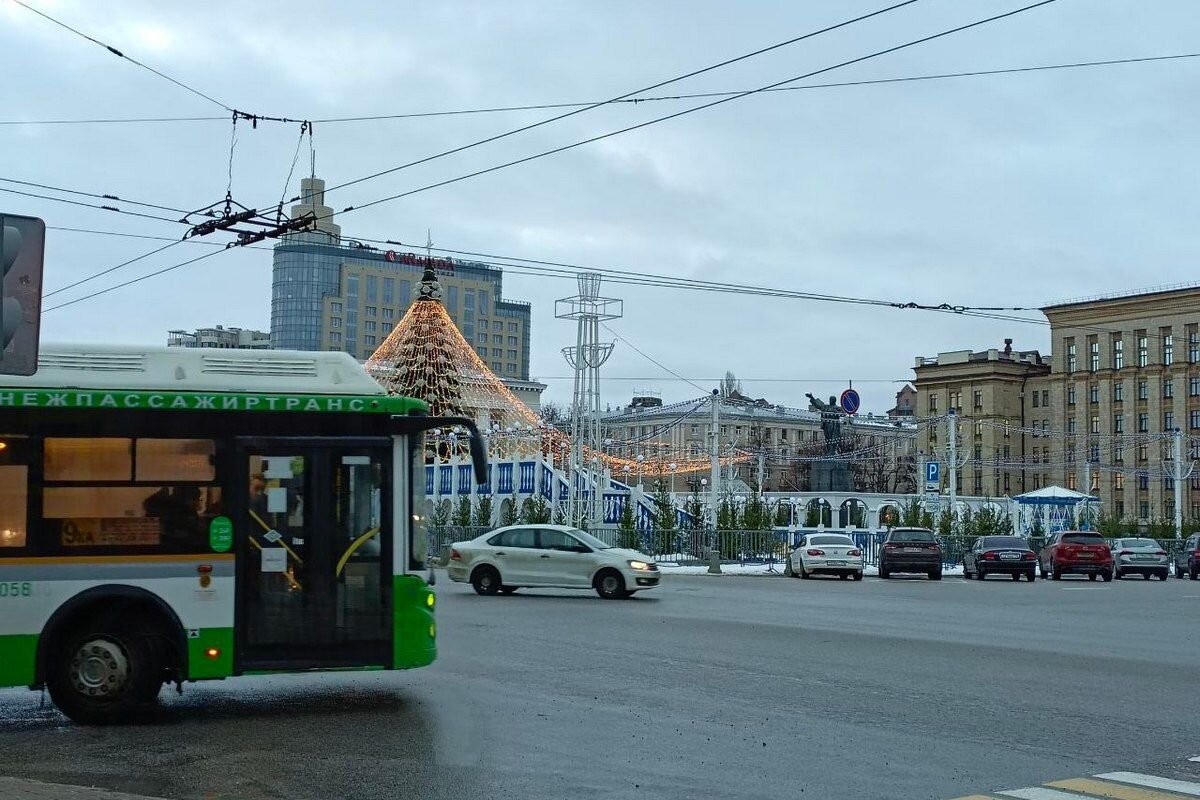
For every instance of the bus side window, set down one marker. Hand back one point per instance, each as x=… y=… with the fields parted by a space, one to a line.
x=14 y=494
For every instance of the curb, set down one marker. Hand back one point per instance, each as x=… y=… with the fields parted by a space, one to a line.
x=21 y=789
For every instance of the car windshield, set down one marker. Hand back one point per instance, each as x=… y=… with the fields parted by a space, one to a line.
x=1004 y=541
x=831 y=540
x=588 y=539
x=912 y=536
x=1139 y=543
x=1082 y=538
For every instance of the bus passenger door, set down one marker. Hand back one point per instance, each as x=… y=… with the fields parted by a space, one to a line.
x=314 y=586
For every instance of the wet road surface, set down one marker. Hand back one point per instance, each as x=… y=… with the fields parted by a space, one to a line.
x=710 y=687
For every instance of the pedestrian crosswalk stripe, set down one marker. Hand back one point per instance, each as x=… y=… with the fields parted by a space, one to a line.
x=1038 y=793
x=1115 y=791
x=976 y=797
x=1189 y=788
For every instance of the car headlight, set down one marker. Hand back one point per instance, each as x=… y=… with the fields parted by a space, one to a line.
x=642 y=565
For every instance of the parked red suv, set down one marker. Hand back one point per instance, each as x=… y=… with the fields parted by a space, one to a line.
x=1079 y=552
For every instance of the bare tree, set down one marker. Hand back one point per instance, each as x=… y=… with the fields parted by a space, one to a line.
x=730 y=384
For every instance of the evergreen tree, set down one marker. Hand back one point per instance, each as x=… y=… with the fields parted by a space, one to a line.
x=508 y=512
x=695 y=510
x=483 y=511
x=627 y=525
x=462 y=512
x=664 y=508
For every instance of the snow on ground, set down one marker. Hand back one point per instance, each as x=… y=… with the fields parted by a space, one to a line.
x=669 y=568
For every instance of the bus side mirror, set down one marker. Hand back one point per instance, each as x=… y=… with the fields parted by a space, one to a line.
x=479 y=458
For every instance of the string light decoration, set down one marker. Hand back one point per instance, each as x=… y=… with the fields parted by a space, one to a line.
x=425 y=356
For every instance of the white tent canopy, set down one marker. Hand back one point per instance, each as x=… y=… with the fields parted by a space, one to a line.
x=1054 y=496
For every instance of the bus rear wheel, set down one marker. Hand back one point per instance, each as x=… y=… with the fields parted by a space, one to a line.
x=101 y=677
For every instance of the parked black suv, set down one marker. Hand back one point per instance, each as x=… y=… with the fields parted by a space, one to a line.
x=910 y=550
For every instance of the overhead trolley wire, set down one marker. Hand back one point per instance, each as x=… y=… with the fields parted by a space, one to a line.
x=633 y=100
x=638 y=126
x=692 y=74
x=128 y=58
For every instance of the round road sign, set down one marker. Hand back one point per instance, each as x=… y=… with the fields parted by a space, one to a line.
x=850 y=401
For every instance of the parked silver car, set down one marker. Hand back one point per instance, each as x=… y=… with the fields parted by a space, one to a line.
x=1143 y=557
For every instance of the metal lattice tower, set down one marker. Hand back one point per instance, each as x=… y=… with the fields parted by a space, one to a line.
x=588 y=309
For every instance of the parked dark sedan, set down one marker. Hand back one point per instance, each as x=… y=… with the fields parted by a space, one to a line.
x=1187 y=559
x=910 y=550
x=1000 y=555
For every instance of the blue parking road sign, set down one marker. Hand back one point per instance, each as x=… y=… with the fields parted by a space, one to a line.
x=933 y=473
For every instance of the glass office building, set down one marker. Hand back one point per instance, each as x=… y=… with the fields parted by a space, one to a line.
x=332 y=293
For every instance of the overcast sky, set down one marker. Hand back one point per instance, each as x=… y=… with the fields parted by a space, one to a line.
x=1005 y=190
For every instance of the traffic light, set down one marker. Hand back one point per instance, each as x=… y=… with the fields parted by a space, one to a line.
x=22 y=248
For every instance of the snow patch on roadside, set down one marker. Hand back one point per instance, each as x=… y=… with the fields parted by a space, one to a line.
x=669 y=568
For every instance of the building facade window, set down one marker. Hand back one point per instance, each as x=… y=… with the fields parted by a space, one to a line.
x=335 y=308
x=1035 y=400
x=1072 y=355
x=1143 y=348
x=1119 y=481
x=1168 y=388
x=933 y=404
x=1118 y=392
x=1118 y=346
x=977 y=398
x=1046 y=397
x=1143 y=423
x=389 y=313
x=1194 y=419
x=1168 y=420
x=1143 y=390
x=1118 y=423
x=1071 y=425
x=1070 y=395
x=1093 y=355
x=1094 y=393
x=1168 y=347
x=1194 y=387
x=1193 y=344
x=1095 y=424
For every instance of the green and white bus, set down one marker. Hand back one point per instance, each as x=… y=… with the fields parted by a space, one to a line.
x=174 y=514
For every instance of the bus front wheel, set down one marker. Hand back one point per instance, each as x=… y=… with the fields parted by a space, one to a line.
x=102 y=676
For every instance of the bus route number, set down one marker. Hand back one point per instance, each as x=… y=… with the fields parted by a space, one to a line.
x=15 y=589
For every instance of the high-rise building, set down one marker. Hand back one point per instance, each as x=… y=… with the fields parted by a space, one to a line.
x=330 y=292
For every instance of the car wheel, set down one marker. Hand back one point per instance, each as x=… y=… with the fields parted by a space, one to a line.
x=885 y=574
x=509 y=589
x=788 y=572
x=936 y=575
x=1145 y=576
x=1016 y=576
x=486 y=580
x=804 y=574
x=610 y=585
x=1117 y=574
x=1055 y=573
x=1193 y=573
x=966 y=573
x=1107 y=576
x=1178 y=571
x=1162 y=576
x=1091 y=576
x=843 y=575
x=1031 y=576
x=858 y=576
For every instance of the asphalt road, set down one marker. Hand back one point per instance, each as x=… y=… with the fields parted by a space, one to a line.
x=711 y=687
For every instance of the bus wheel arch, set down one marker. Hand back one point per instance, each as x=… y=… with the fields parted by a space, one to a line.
x=162 y=640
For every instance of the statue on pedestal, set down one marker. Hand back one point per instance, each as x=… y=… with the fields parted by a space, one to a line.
x=831 y=422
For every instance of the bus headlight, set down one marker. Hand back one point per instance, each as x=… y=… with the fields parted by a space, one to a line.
x=430 y=601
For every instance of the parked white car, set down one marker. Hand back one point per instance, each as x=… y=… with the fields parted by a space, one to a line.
x=557 y=556
x=826 y=553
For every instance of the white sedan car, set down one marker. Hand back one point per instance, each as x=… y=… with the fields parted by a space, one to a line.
x=557 y=556
x=826 y=553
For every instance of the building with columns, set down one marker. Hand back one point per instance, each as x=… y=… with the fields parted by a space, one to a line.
x=1098 y=415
